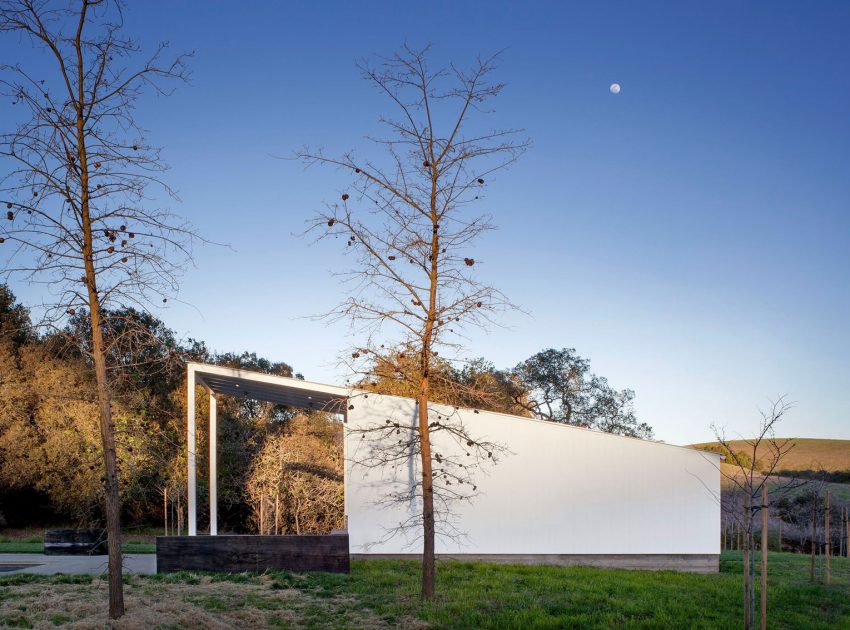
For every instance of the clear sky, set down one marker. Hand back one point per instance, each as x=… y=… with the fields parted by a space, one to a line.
x=690 y=235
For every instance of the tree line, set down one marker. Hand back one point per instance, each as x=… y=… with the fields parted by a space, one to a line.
x=49 y=441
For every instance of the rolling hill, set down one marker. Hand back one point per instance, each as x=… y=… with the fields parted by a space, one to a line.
x=807 y=454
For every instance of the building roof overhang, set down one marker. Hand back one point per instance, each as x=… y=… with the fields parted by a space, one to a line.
x=281 y=390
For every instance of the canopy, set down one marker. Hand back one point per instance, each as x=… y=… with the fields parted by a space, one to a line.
x=281 y=390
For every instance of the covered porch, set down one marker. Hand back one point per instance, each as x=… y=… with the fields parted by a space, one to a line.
x=248 y=553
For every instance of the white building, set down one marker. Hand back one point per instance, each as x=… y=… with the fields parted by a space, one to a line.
x=557 y=494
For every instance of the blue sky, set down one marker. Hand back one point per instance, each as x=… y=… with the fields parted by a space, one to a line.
x=691 y=235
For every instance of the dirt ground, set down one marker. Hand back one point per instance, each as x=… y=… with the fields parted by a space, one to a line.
x=261 y=603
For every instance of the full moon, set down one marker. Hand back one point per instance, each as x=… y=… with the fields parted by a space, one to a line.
x=615 y=88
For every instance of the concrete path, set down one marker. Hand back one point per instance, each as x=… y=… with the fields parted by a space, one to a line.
x=139 y=563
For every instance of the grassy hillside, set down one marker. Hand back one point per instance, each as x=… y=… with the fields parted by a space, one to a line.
x=807 y=454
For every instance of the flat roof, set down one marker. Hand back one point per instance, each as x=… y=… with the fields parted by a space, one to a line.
x=301 y=394
x=281 y=390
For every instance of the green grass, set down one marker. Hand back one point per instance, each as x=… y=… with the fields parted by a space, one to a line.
x=16 y=621
x=58 y=620
x=478 y=595
x=22 y=539
x=27 y=544
x=139 y=547
x=839 y=491
x=22 y=546
x=15 y=546
x=493 y=596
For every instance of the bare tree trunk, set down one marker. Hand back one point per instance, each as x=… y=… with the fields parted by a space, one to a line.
x=814 y=535
x=179 y=514
x=107 y=434
x=297 y=516
x=428 y=527
x=748 y=586
x=429 y=568
x=765 y=536
x=107 y=428
x=277 y=513
x=827 y=541
x=98 y=355
x=165 y=510
x=262 y=514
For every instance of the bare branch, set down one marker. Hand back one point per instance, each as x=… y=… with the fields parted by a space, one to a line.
x=413 y=285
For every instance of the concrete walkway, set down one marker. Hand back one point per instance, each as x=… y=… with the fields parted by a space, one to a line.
x=139 y=563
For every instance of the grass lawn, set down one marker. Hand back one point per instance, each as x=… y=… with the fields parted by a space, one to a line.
x=35 y=544
x=29 y=544
x=384 y=594
x=137 y=546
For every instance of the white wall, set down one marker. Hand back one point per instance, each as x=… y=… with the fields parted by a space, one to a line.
x=560 y=490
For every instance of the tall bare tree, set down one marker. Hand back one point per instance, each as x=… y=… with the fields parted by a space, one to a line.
x=750 y=464
x=407 y=222
x=78 y=175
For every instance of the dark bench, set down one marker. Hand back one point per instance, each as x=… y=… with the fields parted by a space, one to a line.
x=75 y=542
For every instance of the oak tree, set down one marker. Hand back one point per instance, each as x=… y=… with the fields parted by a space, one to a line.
x=557 y=385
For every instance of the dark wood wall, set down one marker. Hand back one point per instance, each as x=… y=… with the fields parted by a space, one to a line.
x=235 y=554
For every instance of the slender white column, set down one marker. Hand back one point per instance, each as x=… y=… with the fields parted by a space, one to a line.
x=190 y=447
x=213 y=468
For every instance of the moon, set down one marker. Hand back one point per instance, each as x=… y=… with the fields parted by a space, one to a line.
x=615 y=88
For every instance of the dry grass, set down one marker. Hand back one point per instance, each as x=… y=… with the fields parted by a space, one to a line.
x=807 y=454
x=256 y=602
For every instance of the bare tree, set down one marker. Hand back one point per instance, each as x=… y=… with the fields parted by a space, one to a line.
x=406 y=221
x=753 y=462
x=299 y=469
x=79 y=218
